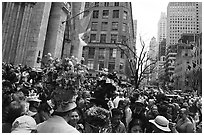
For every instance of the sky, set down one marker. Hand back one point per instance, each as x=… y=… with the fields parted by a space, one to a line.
x=147 y=13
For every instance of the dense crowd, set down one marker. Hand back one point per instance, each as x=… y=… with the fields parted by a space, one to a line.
x=59 y=98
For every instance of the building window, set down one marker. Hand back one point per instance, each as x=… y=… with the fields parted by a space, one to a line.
x=115 y=26
x=115 y=13
x=116 y=3
x=95 y=13
x=105 y=13
x=101 y=53
x=106 y=4
x=125 y=14
x=124 y=40
x=111 y=66
x=103 y=38
x=96 y=4
x=90 y=64
x=100 y=65
x=112 y=53
x=83 y=52
x=124 y=26
x=91 y=52
x=126 y=4
x=87 y=4
x=94 y=26
x=104 y=26
x=122 y=54
x=93 y=38
x=114 y=38
x=121 y=67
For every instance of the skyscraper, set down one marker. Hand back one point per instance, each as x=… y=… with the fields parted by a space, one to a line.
x=182 y=17
x=111 y=26
x=162 y=27
x=152 y=53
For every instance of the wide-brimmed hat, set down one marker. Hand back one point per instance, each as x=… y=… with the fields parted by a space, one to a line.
x=66 y=106
x=162 y=123
x=24 y=124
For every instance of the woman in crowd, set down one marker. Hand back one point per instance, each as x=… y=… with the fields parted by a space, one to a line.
x=74 y=120
x=184 y=124
x=136 y=126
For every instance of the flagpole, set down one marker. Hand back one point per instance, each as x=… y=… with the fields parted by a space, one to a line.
x=78 y=14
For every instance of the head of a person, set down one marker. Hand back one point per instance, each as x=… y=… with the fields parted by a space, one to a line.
x=86 y=95
x=183 y=113
x=64 y=109
x=18 y=96
x=151 y=102
x=160 y=125
x=162 y=109
x=135 y=126
x=15 y=111
x=121 y=104
x=74 y=117
x=154 y=109
x=24 y=124
x=116 y=116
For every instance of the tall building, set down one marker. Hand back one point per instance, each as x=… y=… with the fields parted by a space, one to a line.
x=30 y=30
x=152 y=53
x=182 y=17
x=135 y=33
x=162 y=27
x=111 y=31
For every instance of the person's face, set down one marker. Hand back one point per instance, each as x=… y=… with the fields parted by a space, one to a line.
x=115 y=119
x=183 y=113
x=136 y=129
x=155 y=110
x=74 y=118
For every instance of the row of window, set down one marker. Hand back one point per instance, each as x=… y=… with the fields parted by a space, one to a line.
x=104 y=26
x=107 y=4
x=184 y=10
x=102 y=53
x=105 y=14
x=101 y=65
x=113 y=39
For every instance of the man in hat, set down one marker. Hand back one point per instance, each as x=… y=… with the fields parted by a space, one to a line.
x=58 y=122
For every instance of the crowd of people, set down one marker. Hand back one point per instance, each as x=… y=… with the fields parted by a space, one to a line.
x=59 y=98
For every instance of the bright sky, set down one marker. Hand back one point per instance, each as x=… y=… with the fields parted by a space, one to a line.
x=147 y=14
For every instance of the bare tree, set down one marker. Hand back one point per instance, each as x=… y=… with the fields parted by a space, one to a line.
x=140 y=65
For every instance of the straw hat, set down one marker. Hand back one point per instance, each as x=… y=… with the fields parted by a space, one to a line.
x=161 y=122
x=24 y=124
x=66 y=106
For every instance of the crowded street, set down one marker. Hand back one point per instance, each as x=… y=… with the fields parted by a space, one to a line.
x=102 y=67
x=99 y=105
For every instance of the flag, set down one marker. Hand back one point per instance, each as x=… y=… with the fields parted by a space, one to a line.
x=83 y=38
x=84 y=22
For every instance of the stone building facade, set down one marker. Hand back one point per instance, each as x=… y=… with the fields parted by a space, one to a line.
x=30 y=30
x=111 y=26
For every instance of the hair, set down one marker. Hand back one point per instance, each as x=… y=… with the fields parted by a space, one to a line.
x=15 y=111
x=121 y=103
x=135 y=122
x=116 y=112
